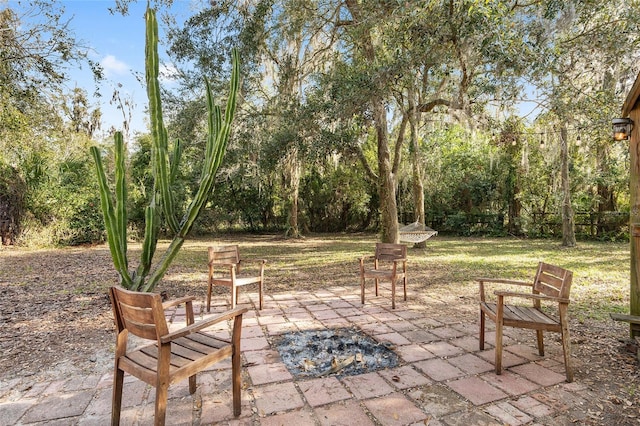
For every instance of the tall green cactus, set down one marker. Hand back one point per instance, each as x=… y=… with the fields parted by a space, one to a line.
x=164 y=172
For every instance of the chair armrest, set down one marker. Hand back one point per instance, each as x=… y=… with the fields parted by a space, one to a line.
x=251 y=263
x=482 y=281
x=532 y=296
x=202 y=324
x=503 y=281
x=263 y=261
x=178 y=301
x=363 y=259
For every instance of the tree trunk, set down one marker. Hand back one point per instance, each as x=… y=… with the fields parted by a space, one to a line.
x=293 y=172
x=294 y=229
x=568 y=231
x=418 y=185
x=515 y=206
x=606 y=199
x=386 y=186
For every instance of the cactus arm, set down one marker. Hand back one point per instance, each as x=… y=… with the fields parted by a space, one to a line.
x=216 y=144
x=225 y=129
x=164 y=263
x=214 y=124
x=118 y=256
x=121 y=195
x=149 y=243
x=158 y=131
x=175 y=160
x=162 y=178
x=230 y=111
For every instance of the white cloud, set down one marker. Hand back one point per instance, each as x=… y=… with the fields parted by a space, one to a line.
x=113 y=66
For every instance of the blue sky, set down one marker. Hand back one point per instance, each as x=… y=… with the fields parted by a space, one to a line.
x=117 y=43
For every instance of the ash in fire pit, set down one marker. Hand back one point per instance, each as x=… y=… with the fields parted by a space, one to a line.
x=341 y=352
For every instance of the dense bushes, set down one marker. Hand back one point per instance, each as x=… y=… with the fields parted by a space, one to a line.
x=12 y=189
x=469 y=184
x=63 y=205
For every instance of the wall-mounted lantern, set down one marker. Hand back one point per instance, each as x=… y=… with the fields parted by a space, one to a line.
x=622 y=128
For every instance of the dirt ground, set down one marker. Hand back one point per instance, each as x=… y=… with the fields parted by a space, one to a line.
x=55 y=320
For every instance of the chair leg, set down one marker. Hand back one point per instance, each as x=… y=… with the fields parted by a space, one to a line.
x=116 y=401
x=482 y=324
x=260 y=296
x=162 y=382
x=209 y=296
x=499 y=327
x=540 y=339
x=236 y=381
x=393 y=293
x=566 y=349
x=376 y=287
x=498 y=348
x=192 y=384
x=362 y=289
x=566 y=343
x=162 y=392
x=404 y=283
x=234 y=296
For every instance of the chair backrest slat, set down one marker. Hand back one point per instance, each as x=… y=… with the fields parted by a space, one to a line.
x=224 y=254
x=553 y=280
x=140 y=313
x=139 y=321
x=390 y=251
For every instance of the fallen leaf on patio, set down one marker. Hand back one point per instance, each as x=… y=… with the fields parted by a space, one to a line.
x=307 y=364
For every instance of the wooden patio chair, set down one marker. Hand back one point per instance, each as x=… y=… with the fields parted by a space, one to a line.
x=173 y=356
x=550 y=285
x=227 y=259
x=389 y=264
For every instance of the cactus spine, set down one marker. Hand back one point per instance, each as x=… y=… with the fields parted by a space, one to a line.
x=164 y=171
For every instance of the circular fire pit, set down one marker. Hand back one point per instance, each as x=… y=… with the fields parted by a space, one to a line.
x=339 y=352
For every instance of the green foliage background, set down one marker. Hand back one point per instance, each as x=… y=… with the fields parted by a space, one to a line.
x=480 y=162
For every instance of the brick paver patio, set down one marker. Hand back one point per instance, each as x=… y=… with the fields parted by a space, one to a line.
x=442 y=378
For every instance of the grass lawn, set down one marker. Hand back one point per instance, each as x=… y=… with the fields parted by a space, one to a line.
x=601 y=269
